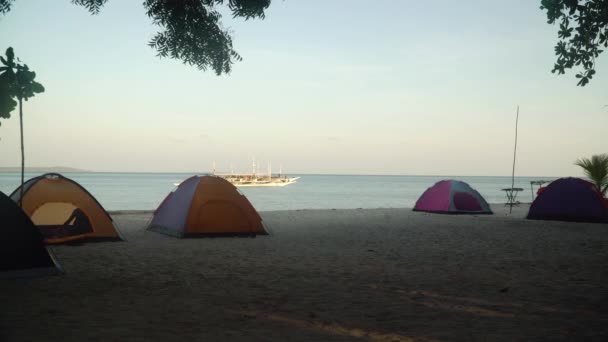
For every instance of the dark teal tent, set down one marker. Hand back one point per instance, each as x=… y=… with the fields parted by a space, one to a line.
x=22 y=252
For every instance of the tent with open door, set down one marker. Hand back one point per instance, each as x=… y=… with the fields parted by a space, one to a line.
x=452 y=197
x=203 y=206
x=22 y=252
x=64 y=211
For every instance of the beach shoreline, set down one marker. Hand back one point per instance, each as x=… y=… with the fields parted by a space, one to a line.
x=326 y=275
x=497 y=209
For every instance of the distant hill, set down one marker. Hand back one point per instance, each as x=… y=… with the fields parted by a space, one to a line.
x=58 y=169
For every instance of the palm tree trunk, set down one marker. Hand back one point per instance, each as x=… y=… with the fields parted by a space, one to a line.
x=22 y=151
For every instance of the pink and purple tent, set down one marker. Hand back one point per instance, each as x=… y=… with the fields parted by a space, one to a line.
x=569 y=199
x=452 y=197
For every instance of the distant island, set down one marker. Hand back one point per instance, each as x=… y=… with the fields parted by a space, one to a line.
x=58 y=169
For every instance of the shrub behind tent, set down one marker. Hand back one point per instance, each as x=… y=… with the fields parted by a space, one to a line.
x=22 y=252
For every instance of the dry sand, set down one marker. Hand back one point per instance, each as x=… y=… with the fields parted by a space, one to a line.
x=326 y=275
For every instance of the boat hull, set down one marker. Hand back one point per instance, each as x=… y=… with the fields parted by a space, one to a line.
x=261 y=183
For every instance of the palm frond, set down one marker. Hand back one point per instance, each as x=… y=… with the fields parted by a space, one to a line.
x=596 y=169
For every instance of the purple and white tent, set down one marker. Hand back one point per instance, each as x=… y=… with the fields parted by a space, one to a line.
x=452 y=197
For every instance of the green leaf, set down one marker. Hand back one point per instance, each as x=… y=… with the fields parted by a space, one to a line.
x=7 y=105
x=583 y=25
x=10 y=54
x=37 y=87
x=16 y=82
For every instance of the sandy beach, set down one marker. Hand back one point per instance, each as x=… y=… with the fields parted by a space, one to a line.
x=326 y=275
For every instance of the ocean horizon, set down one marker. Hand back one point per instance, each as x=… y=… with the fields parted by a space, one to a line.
x=146 y=190
x=69 y=170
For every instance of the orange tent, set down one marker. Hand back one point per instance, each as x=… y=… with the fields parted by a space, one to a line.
x=206 y=205
x=64 y=211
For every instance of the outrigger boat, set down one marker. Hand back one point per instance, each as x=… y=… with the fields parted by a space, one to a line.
x=255 y=178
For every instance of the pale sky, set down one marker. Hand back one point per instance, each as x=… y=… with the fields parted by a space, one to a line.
x=341 y=86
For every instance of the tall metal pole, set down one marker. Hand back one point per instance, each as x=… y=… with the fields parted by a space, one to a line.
x=22 y=153
x=514 y=155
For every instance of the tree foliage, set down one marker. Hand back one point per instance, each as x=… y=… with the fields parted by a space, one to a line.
x=596 y=169
x=17 y=82
x=7 y=103
x=94 y=6
x=5 y=5
x=583 y=31
x=191 y=30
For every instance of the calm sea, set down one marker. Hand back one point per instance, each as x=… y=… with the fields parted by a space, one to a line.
x=145 y=191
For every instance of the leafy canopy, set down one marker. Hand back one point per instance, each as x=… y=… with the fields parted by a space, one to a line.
x=596 y=169
x=17 y=81
x=583 y=31
x=191 y=30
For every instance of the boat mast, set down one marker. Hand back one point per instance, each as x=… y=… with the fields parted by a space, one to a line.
x=280 y=170
x=253 y=173
x=214 y=167
x=269 y=170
